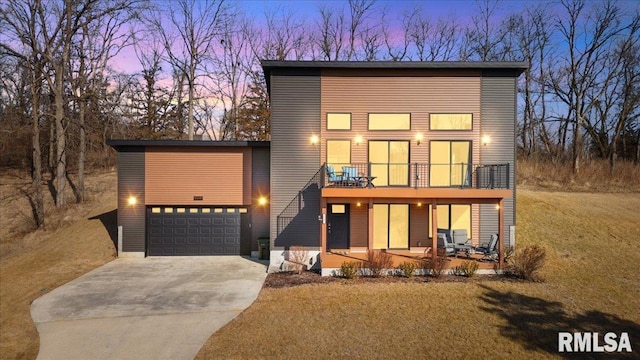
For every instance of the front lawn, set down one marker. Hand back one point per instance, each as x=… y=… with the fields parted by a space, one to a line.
x=592 y=284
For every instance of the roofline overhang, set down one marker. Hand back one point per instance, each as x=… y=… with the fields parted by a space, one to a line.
x=119 y=144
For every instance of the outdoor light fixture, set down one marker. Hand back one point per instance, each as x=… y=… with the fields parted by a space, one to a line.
x=358 y=140
x=314 y=139
x=419 y=204
x=262 y=200
x=485 y=140
x=132 y=200
x=498 y=207
x=418 y=139
x=358 y=204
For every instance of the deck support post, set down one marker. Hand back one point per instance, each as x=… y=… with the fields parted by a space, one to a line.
x=370 y=225
x=434 y=230
x=323 y=226
x=501 y=234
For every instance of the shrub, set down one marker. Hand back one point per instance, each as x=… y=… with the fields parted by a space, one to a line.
x=349 y=269
x=297 y=258
x=407 y=268
x=467 y=268
x=436 y=268
x=378 y=262
x=526 y=263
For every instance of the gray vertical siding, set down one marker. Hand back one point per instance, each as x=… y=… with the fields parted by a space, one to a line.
x=498 y=119
x=259 y=187
x=295 y=116
x=131 y=169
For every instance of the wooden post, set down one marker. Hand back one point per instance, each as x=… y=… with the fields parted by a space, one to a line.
x=370 y=225
x=323 y=227
x=501 y=234
x=434 y=229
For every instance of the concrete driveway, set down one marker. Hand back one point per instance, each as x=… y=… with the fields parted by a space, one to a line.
x=153 y=308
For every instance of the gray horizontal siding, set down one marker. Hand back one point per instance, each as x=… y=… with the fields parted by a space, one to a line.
x=131 y=183
x=260 y=171
x=295 y=116
x=498 y=119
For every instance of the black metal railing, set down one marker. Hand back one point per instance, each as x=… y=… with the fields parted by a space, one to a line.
x=416 y=175
x=307 y=198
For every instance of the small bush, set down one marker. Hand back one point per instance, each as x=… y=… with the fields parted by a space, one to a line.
x=467 y=268
x=298 y=256
x=436 y=268
x=407 y=268
x=349 y=269
x=378 y=262
x=527 y=263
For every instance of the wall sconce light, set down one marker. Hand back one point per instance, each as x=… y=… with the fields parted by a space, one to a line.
x=418 y=139
x=262 y=201
x=132 y=200
x=485 y=140
x=498 y=207
x=358 y=140
x=314 y=139
x=358 y=204
x=419 y=204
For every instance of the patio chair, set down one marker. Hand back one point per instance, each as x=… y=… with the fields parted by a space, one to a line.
x=350 y=176
x=461 y=242
x=489 y=250
x=332 y=177
x=445 y=243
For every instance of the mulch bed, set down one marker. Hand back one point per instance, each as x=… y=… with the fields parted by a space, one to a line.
x=288 y=279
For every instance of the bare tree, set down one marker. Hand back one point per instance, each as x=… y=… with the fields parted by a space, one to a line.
x=188 y=35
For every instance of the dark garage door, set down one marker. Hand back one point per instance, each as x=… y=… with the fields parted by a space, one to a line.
x=183 y=231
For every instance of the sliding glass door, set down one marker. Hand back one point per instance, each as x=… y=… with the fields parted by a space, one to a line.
x=450 y=163
x=389 y=162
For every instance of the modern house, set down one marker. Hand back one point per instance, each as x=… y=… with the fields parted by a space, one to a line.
x=363 y=155
x=380 y=155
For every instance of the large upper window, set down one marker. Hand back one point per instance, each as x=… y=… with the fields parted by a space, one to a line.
x=389 y=162
x=338 y=121
x=451 y=121
x=390 y=121
x=338 y=153
x=450 y=163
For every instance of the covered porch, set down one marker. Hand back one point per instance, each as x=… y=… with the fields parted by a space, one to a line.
x=356 y=220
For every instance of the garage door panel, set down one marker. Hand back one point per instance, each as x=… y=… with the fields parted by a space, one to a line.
x=191 y=231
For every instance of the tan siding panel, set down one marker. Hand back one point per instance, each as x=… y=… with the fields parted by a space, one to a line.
x=221 y=176
x=419 y=225
x=358 y=226
x=420 y=96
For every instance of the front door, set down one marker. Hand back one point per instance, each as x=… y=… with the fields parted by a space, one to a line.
x=338 y=226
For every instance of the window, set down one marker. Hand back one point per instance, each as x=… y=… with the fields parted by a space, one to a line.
x=390 y=226
x=193 y=210
x=338 y=209
x=206 y=210
x=336 y=121
x=450 y=163
x=156 y=210
x=231 y=210
x=452 y=217
x=390 y=121
x=389 y=162
x=451 y=121
x=180 y=210
x=338 y=153
x=243 y=210
x=168 y=210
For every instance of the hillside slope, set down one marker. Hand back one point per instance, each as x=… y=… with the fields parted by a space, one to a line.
x=31 y=265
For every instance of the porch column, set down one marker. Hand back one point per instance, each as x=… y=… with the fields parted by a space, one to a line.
x=370 y=225
x=501 y=234
x=434 y=229
x=323 y=226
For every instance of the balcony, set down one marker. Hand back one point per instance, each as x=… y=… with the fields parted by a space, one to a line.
x=416 y=176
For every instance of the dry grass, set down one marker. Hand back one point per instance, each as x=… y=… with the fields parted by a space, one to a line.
x=35 y=263
x=592 y=285
x=594 y=176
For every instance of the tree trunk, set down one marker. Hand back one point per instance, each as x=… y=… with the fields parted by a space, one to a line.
x=61 y=145
x=82 y=152
x=36 y=175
